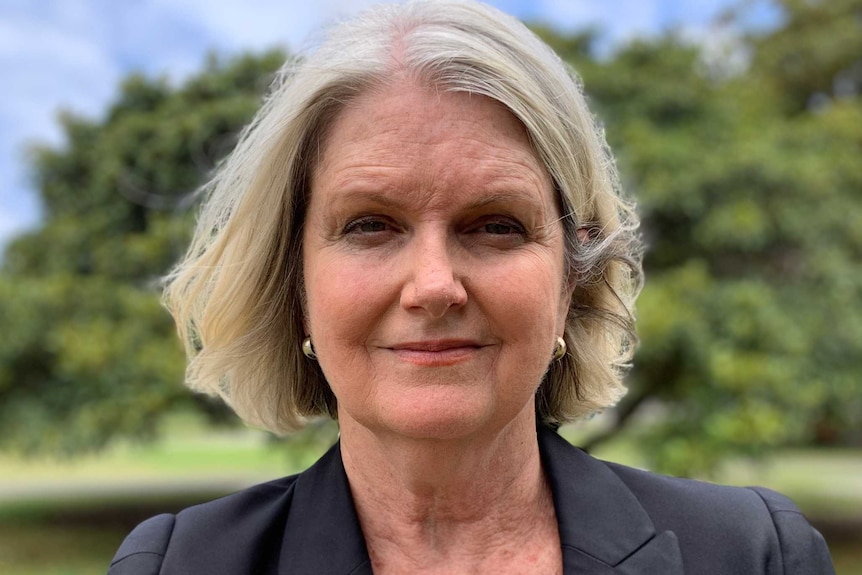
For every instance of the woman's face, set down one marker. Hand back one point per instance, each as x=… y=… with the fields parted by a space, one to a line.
x=433 y=260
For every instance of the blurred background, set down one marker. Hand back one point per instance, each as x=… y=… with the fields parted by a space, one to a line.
x=737 y=125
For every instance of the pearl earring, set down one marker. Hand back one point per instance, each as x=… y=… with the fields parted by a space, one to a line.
x=308 y=349
x=559 y=349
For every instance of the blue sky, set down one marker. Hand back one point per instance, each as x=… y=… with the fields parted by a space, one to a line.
x=71 y=54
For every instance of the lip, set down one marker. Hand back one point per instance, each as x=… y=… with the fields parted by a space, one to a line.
x=435 y=345
x=436 y=353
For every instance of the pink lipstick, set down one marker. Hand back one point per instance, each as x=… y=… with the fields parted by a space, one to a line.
x=436 y=353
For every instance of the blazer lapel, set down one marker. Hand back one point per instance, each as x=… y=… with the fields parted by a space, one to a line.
x=603 y=527
x=322 y=534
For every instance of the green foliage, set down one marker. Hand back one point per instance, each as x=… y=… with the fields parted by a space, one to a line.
x=751 y=315
x=87 y=353
x=87 y=359
x=815 y=55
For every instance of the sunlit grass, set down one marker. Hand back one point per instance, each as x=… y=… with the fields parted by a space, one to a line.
x=187 y=458
x=823 y=482
x=44 y=549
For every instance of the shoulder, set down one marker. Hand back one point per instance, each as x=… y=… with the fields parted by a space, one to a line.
x=205 y=530
x=297 y=523
x=735 y=526
x=678 y=501
x=717 y=529
x=144 y=548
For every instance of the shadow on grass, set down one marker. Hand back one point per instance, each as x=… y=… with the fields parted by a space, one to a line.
x=75 y=537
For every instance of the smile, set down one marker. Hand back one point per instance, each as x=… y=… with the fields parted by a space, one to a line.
x=437 y=353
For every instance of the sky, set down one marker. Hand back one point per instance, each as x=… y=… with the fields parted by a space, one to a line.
x=71 y=54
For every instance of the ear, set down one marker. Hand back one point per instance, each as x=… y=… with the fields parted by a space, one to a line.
x=569 y=289
x=565 y=305
x=583 y=235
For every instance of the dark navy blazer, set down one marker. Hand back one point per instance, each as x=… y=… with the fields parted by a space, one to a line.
x=613 y=520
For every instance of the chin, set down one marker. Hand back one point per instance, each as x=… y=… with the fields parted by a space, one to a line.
x=450 y=419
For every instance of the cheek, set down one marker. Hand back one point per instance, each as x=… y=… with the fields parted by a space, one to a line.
x=345 y=299
x=530 y=295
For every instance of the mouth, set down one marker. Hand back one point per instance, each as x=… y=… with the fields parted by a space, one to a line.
x=436 y=345
x=436 y=353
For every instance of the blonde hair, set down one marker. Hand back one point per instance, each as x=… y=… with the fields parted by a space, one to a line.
x=237 y=296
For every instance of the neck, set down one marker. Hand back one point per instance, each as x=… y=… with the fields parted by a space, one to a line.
x=426 y=502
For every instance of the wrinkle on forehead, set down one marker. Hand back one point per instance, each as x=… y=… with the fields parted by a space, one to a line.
x=406 y=81
x=435 y=135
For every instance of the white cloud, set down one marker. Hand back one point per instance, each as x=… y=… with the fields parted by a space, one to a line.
x=569 y=14
x=245 y=25
x=616 y=16
x=47 y=63
x=59 y=69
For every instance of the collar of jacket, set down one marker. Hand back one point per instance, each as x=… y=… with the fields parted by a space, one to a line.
x=603 y=527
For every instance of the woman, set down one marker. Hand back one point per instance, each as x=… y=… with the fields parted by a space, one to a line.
x=421 y=235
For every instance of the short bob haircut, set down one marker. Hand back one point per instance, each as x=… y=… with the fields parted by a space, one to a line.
x=237 y=296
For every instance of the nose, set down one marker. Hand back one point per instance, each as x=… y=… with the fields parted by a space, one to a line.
x=434 y=285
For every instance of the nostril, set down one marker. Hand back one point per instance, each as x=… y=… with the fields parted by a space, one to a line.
x=434 y=293
x=433 y=285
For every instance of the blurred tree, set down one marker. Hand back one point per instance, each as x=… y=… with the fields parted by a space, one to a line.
x=86 y=352
x=816 y=54
x=750 y=196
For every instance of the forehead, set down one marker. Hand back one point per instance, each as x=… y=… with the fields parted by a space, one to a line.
x=408 y=130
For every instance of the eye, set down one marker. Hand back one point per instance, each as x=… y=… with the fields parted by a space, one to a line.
x=367 y=225
x=371 y=231
x=497 y=231
x=499 y=226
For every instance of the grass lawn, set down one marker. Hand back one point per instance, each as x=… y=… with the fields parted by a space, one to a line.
x=67 y=518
